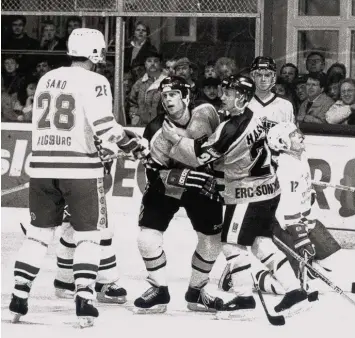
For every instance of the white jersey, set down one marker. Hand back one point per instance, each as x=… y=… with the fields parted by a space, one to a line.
x=273 y=111
x=296 y=190
x=71 y=105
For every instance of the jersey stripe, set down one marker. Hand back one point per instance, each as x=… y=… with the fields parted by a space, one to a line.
x=65 y=165
x=63 y=153
x=103 y=120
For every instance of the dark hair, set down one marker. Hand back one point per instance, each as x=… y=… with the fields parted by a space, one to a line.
x=334 y=78
x=322 y=78
x=141 y=23
x=77 y=58
x=289 y=64
x=337 y=65
x=22 y=93
x=19 y=17
x=74 y=18
x=10 y=56
x=210 y=63
x=316 y=53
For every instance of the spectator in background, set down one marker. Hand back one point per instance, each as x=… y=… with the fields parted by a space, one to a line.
x=127 y=87
x=343 y=110
x=24 y=104
x=284 y=89
x=42 y=67
x=337 y=68
x=187 y=69
x=169 y=67
x=7 y=105
x=209 y=71
x=19 y=40
x=333 y=85
x=107 y=69
x=10 y=74
x=144 y=98
x=137 y=71
x=49 y=40
x=139 y=47
x=301 y=89
x=315 y=63
x=73 y=22
x=314 y=108
x=289 y=73
x=209 y=93
x=225 y=67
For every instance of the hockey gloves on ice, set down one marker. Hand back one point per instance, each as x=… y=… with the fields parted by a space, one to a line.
x=301 y=241
x=190 y=179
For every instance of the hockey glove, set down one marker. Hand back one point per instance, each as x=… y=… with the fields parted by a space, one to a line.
x=301 y=241
x=134 y=144
x=107 y=152
x=194 y=180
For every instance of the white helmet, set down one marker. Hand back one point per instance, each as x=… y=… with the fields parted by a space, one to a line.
x=278 y=137
x=86 y=42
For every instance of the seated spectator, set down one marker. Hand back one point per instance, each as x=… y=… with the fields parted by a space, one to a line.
x=19 y=40
x=285 y=90
x=49 y=40
x=187 y=69
x=127 y=87
x=333 y=86
x=144 y=98
x=209 y=71
x=139 y=47
x=7 y=105
x=301 y=89
x=337 y=68
x=73 y=22
x=42 y=67
x=289 y=72
x=315 y=63
x=225 y=67
x=169 y=67
x=137 y=71
x=209 y=93
x=10 y=74
x=314 y=108
x=24 y=104
x=343 y=110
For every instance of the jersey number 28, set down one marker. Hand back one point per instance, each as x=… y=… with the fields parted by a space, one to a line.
x=63 y=116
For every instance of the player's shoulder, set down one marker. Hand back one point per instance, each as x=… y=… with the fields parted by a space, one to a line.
x=283 y=100
x=153 y=126
x=204 y=110
x=239 y=123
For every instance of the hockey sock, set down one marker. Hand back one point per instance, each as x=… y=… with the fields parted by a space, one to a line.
x=27 y=265
x=150 y=244
x=207 y=250
x=240 y=269
x=108 y=272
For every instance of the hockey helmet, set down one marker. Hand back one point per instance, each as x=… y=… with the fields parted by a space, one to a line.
x=243 y=84
x=278 y=137
x=86 y=42
x=263 y=62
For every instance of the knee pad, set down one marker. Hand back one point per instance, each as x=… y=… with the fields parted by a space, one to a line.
x=149 y=241
x=263 y=247
x=230 y=250
x=42 y=235
x=210 y=244
x=87 y=236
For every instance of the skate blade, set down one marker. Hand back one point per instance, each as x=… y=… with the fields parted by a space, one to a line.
x=298 y=308
x=16 y=317
x=86 y=321
x=240 y=315
x=152 y=310
x=111 y=300
x=64 y=294
x=200 y=308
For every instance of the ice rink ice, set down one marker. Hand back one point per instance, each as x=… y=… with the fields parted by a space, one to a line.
x=50 y=317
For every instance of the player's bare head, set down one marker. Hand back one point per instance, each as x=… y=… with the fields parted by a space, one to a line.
x=237 y=92
x=175 y=94
x=263 y=72
x=87 y=44
x=286 y=137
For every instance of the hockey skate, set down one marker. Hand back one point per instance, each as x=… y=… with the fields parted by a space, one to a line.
x=291 y=299
x=85 y=312
x=154 y=300
x=110 y=293
x=63 y=289
x=200 y=300
x=225 y=282
x=239 y=307
x=18 y=307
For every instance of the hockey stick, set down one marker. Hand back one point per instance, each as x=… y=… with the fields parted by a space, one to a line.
x=323 y=278
x=15 y=189
x=273 y=320
x=335 y=186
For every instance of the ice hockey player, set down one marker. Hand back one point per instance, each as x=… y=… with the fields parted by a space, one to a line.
x=298 y=229
x=241 y=162
x=171 y=187
x=72 y=106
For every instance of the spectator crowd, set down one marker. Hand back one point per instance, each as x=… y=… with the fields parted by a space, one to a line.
x=318 y=96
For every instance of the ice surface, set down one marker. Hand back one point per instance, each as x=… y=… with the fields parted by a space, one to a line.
x=50 y=317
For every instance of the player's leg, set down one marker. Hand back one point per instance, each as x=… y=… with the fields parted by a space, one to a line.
x=235 y=240
x=46 y=209
x=156 y=213
x=85 y=199
x=206 y=217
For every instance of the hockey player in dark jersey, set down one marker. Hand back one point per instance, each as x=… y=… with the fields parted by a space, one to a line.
x=171 y=186
x=241 y=162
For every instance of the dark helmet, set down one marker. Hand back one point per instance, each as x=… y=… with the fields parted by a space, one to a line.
x=175 y=83
x=263 y=62
x=243 y=84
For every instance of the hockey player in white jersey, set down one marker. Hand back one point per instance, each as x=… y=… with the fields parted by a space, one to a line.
x=72 y=106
